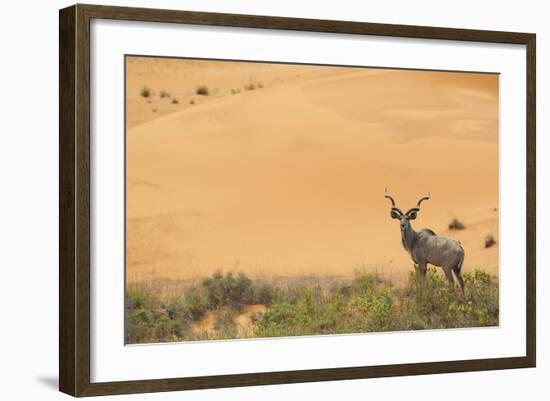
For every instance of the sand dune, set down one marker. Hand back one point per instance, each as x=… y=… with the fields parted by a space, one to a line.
x=289 y=179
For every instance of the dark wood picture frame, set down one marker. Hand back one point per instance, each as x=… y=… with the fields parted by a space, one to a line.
x=74 y=200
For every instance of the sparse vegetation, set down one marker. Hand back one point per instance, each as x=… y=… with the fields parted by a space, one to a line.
x=164 y=94
x=192 y=102
x=252 y=86
x=489 y=241
x=202 y=90
x=235 y=91
x=145 y=92
x=367 y=303
x=175 y=101
x=456 y=224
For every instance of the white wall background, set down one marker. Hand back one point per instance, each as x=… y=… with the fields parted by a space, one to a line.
x=28 y=197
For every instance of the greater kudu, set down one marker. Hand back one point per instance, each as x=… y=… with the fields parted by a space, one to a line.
x=425 y=246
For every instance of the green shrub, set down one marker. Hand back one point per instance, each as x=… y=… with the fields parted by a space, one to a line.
x=202 y=90
x=228 y=290
x=278 y=321
x=145 y=92
x=378 y=308
x=196 y=303
x=265 y=294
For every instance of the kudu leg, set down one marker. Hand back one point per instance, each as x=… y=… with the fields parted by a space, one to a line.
x=458 y=275
x=450 y=278
x=422 y=270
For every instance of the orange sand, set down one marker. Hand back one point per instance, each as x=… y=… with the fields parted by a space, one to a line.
x=289 y=178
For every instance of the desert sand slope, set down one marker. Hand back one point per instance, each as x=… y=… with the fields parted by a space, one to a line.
x=289 y=179
x=179 y=79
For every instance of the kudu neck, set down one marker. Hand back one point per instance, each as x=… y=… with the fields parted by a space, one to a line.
x=408 y=236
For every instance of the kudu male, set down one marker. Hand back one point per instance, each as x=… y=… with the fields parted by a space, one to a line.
x=425 y=246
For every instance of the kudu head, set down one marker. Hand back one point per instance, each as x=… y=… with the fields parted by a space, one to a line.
x=404 y=218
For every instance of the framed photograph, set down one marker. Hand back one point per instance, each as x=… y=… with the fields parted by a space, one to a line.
x=250 y=200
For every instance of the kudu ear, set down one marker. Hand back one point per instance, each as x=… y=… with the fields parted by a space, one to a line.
x=395 y=214
x=411 y=214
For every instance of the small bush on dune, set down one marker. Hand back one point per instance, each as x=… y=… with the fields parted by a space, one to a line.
x=164 y=94
x=145 y=92
x=202 y=90
x=456 y=224
x=252 y=86
x=175 y=101
x=489 y=241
